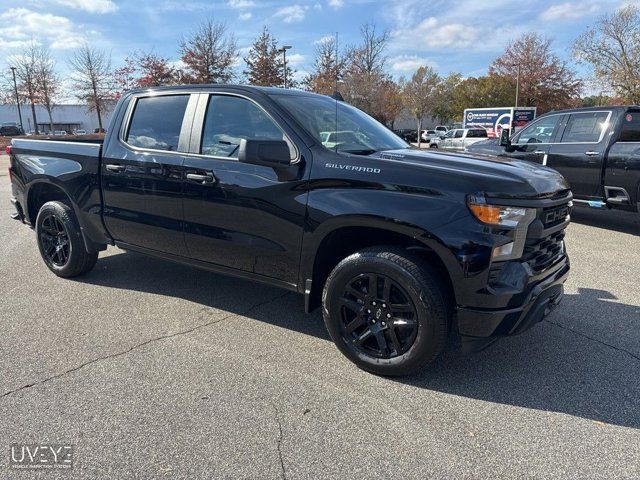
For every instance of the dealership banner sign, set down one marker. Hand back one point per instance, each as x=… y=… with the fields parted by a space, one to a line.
x=494 y=120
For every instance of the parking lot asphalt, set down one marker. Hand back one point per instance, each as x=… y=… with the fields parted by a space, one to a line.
x=155 y=370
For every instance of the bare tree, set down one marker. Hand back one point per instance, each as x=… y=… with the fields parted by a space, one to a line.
x=47 y=81
x=92 y=79
x=545 y=81
x=419 y=94
x=612 y=48
x=364 y=75
x=26 y=76
x=209 y=54
x=328 y=68
x=370 y=56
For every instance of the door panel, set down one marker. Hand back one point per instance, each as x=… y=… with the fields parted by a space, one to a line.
x=579 y=155
x=534 y=141
x=248 y=217
x=142 y=175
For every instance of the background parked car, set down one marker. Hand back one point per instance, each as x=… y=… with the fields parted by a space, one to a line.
x=79 y=132
x=59 y=133
x=10 y=129
x=407 y=134
x=441 y=129
x=460 y=138
x=427 y=135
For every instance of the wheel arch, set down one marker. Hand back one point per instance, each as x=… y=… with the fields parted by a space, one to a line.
x=344 y=236
x=42 y=192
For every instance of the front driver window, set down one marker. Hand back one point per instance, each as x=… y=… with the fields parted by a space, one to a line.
x=540 y=131
x=230 y=119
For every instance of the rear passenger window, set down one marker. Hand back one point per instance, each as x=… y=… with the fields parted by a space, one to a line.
x=630 y=128
x=585 y=127
x=156 y=122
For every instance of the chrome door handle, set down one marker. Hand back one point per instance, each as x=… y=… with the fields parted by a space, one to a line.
x=115 y=168
x=591 y=153
x=539 y=152
x=200 y=178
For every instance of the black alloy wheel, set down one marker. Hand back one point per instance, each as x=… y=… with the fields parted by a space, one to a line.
x=378 y=316
x=60 y=241
x=55 y=241
x=387 y=310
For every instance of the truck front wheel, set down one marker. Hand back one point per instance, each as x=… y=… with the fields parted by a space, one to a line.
x=60 y=241
x=386 y=311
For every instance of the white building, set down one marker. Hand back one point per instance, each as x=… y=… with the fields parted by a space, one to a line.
x=65 y=117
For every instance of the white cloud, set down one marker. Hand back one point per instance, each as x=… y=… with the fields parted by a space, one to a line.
x=299 y=75
x=291 y=14
x=92 y=6
x=241 y=4
x=569 y=11
x=410 y=63
x=433 y=33
x=245 y=16
x=336 y=3
x=295 y=59
x=325 y=39
x=20 y=25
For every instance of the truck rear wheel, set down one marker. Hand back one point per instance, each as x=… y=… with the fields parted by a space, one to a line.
x=60 y=241
x=386 y=311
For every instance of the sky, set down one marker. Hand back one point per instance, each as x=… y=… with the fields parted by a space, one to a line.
x=450 y=35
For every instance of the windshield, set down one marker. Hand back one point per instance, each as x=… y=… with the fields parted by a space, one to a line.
x=353 y=132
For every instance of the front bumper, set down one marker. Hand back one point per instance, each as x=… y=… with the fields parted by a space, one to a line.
x=479 y=328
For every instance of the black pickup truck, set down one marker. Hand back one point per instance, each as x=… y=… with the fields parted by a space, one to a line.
x=597 y=150
x=400 y=247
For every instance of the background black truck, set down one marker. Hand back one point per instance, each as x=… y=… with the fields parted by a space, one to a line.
x=401 y=247
x=596 y=149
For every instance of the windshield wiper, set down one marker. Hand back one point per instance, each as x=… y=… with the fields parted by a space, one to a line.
x=364 y=151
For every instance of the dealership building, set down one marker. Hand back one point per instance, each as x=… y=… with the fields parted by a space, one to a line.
x=65 y=117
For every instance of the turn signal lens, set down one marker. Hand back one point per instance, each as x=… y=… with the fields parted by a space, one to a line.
x=486 y=213
x=500 y=215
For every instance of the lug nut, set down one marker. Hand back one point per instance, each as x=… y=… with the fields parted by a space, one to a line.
x=384 y=305
x=388 y=315
x=373 y=303
x=383 y=324
x=368 y=310
x=373 y=321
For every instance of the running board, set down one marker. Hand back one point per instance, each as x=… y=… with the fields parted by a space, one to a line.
x=590 y=203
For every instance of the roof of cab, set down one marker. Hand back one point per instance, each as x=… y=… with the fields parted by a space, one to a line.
x=615 y=108
x=236 y=87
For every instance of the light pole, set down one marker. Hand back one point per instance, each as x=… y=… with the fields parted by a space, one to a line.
x=15 y=89
x=283 y=50
x=517 y=83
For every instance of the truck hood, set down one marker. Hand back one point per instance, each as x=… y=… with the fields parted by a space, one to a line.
x=499 y=177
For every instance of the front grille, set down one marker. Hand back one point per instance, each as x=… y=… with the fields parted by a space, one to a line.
x=552 y=216
x=541 y=253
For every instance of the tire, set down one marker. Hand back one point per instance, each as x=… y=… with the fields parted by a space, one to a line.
x=433 y=145
x=60 y=241
x=351 y=308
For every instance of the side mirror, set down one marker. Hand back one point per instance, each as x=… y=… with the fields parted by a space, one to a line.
x=268 y=153
x=505 y=138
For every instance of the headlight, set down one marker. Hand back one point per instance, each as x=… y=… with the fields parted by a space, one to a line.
x=499 y=215
x=517 y=219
